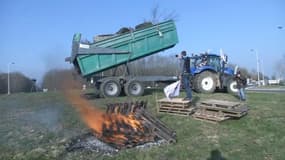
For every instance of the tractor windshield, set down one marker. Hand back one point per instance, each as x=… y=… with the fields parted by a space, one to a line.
x=214 y=61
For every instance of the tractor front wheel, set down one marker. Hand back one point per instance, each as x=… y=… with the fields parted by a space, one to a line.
x=232 y=86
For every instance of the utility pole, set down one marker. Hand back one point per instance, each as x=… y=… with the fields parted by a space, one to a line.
x=257 y=65
x=262 y=67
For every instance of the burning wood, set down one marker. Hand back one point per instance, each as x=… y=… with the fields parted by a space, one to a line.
x=124 y=131
x=123 y=125
x=125 y=108
x=150 y=128
x=156 y=126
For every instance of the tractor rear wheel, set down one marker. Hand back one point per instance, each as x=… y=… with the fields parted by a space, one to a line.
x=205 y=82
x=134 y=88
x=110 y=88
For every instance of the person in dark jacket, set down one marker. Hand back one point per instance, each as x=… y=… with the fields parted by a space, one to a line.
x=184 y=74
x=241 y=84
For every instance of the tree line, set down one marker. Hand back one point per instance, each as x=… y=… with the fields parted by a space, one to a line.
x=58 y=79
x=153 y=65
x=53 y=80
x=18 y=83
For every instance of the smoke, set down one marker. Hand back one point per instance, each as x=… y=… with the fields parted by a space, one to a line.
x=91 y=115
x=54 y=58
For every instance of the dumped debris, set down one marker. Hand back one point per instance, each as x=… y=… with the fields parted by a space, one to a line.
x=123 y=30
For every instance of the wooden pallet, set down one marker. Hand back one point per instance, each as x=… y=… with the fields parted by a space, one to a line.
x=213 y=103
x=230 y=109
x=217 y=110
x=175 y=106
x=209 y=118
x=228 y=113
x=176 y=111
x=174 y=102
x=203 y=111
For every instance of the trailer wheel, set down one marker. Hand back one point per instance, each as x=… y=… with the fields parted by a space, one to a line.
x=134 y=88
x=232 y=86
x=205 y=82
x=110 y=88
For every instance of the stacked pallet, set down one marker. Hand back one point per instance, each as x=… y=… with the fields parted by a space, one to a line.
x=219 y=110
x=176 y=106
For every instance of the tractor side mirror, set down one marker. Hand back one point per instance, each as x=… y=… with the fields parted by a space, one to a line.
x=224 y=58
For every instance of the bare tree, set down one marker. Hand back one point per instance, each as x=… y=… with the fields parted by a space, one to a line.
x=59 y=79
x=18 y=83
x=157 y=15
x=154 y=14
x=244 y=71
x=3 y=83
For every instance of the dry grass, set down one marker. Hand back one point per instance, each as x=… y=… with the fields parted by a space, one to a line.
x=38 y=125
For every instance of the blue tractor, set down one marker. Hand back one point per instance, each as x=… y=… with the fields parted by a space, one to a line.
x=209 y=73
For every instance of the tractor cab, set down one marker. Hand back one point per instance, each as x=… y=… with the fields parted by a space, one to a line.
x=212 y=62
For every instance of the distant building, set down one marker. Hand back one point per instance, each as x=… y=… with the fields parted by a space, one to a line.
x=274 y=82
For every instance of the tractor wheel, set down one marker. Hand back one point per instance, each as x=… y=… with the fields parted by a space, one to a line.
x=205 y=82
x=134 y=88
x=110 y=88
x=232 y=86
x=195 y=83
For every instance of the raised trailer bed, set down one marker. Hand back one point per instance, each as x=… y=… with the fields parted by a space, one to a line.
x=113 y=51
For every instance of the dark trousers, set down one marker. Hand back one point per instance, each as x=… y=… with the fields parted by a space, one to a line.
x=187 y=86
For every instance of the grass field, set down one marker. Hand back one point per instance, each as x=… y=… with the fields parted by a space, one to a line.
x=38 y=125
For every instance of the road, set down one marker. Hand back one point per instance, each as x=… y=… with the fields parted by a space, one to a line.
x=266 y=90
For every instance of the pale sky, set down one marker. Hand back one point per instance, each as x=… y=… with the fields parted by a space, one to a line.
x=36 y=35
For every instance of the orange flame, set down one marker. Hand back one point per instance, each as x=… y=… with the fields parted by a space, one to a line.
x=117 y=129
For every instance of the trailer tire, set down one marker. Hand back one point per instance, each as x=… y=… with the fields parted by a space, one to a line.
x=110 y=88
x=134 y=88
x=205 y=82
x=232 y=86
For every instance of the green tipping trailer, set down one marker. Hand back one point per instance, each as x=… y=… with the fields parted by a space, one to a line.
x=93 y=58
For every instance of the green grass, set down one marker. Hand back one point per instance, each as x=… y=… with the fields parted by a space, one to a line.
x=38 y=125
